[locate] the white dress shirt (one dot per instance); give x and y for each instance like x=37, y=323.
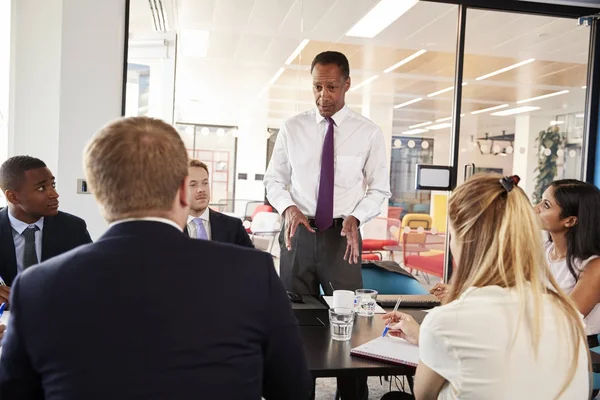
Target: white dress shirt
x=362, y=180
x=193, y=228
x=473, y=343
x=18, y=227
x=152, y=219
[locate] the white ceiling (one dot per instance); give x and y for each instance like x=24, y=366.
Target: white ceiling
x=251, y=39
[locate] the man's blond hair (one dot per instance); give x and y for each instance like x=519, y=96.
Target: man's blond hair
x=198, y=164
x=135, y=166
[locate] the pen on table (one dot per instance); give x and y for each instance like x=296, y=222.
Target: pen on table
x=387, y=326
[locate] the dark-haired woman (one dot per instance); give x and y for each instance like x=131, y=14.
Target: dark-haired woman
x=570, y=212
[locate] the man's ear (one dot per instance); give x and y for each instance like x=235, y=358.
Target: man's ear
x=183, y=192
x=571, y=222
x=347, y=84
x=12, y=197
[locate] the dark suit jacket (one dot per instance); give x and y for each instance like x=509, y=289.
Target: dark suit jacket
x=134, y=316
x=61, y=233
x=226, y=229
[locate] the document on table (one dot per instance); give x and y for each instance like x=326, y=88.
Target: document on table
x=389, y=349
x=378, y=309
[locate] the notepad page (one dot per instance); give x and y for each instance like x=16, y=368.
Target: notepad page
x=393, y=348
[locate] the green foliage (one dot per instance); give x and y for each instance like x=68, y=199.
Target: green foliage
x=553, y=140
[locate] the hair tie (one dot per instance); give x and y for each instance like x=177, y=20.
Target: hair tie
x=509, y=182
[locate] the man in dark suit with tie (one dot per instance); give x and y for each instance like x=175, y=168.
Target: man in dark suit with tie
x=131, y=316
x=31, y=227
x=207, y=224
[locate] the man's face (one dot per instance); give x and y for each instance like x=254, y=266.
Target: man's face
x=199, y=190
x=329, y=88
x=37, y=195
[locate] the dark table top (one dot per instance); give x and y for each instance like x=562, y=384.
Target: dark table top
x=331, y=358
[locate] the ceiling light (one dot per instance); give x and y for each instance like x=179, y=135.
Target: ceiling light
x=552, y=123
x=414, y=131
x=296, y=52
x=194, y=43
x=220, y=132
x=439, y=126
x=447, y=118
x=489, y=109
x=445, y=90
x=517, y=65
x=407, y=59
x=276, y=76
x=408, y=103
x=584, y=87
x=542, y=97
x=517, y=110
x=380, y=17
x=420, y=125
x=205, y=131
x=579, y=115
x=365, y=82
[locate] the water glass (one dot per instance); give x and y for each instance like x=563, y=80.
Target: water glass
x=366, y=301
x=341, y=321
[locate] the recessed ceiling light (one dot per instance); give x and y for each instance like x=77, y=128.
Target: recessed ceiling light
x=439, y=126
x=295, y=53
x=517, y=65
x=406, y=60
x=517, y=110
x=489, y=109
x=380, y=17
x=365, y=82
x=552, y=123
x=408, y=103
x=194, y=43
x=447, y=118
x=579, y=115
x=414, y=131
x=584, y=87
x=542, y=97
x=445, y=90
x=420, y=125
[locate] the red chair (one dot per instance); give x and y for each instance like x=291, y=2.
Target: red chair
x=417, y=249
x=379, y=233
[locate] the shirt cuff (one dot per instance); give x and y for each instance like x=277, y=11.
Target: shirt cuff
x=282, y=204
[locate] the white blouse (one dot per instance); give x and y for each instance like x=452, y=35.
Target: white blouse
x=473, y=343
x=567, y=282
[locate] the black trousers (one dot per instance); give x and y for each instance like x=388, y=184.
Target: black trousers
x=318, y=258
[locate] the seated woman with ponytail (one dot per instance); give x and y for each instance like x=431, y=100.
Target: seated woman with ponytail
x=506, y=331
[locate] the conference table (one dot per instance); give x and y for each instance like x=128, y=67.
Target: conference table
x=330, y=358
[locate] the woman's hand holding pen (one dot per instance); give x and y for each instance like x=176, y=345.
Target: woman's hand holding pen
x=4, y=294
x=403, y=326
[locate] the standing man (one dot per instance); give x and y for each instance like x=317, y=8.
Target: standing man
x=132, y=316
x=207, y=224
x=31, y=227
x=327, y=176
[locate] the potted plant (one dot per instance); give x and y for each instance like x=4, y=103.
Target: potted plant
x=549, y=142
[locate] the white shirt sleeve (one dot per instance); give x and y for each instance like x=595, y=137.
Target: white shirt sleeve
x=377, y=179
x=436, y=350
x=278, y=176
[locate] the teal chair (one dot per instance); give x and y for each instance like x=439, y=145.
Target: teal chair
x=386, y=282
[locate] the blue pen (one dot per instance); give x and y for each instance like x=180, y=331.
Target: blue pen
x=2, y=308
x=387, y=326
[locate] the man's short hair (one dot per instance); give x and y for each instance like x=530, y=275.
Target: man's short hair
x=199, y=164
x=332, y=57
x=12, y=171
x=135, y=166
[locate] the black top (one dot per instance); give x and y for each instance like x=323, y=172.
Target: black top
x=61, y=233
x=147, y=313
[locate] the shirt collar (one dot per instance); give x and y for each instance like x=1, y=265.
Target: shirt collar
x=205, y=216
x=338, y=117
x=20, y=226
x=153, y=219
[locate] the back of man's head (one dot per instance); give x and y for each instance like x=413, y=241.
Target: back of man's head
x=136, y=167
x=12, y=171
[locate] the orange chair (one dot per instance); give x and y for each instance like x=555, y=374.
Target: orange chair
x=379, y=233
x=421, y=251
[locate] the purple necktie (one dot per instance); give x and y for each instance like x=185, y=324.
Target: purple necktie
x=324, y=214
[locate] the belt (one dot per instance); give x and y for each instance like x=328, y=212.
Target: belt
x=337, y=223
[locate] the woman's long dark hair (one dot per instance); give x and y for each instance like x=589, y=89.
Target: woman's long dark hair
x=581, y=200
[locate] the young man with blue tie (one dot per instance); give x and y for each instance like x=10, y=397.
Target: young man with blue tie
x=31, y=227
x=204, y=223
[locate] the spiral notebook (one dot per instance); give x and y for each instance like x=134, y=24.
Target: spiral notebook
x=389, y=349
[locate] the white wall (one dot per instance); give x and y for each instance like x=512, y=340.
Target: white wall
x=5, y=16
x=67, y=78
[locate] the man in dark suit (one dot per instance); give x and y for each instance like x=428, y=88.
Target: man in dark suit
x=207, y=224
x=31, y=227
x=131, y=316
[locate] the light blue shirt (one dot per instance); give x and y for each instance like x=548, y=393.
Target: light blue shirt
x=18, y=227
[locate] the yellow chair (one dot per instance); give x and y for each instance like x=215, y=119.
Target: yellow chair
x=414, y=221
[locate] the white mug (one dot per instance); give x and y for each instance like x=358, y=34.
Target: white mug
x=343, y=299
